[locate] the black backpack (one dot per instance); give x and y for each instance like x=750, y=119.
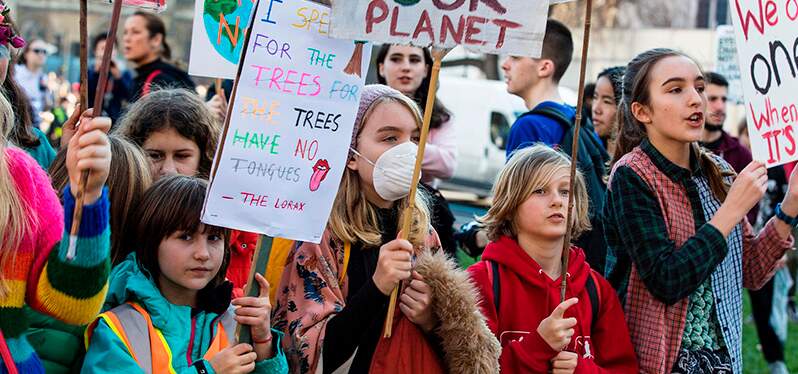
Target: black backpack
x=590, y=287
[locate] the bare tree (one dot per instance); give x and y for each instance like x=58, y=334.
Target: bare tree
x=630, y=14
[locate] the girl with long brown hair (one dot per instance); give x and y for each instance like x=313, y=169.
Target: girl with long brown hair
x=681, y=248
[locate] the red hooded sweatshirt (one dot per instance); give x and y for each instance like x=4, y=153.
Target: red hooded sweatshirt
x=527, y=296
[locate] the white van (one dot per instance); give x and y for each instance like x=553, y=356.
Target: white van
x=483, y=113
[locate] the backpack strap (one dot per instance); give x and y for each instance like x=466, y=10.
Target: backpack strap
x=493, y=279
x=148, y=83
x=554, y=114
x=595, y=296
x=345, y=268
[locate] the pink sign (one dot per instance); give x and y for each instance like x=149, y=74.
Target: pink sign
x=157, y=5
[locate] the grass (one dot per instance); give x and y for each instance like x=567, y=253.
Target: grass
x=753, y=361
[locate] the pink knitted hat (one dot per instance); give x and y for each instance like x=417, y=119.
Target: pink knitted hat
x=368, y=96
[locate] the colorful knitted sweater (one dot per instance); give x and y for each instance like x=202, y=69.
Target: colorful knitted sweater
x=40, y=276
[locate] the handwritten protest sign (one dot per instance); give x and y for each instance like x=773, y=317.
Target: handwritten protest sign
x=767, y=37
x=218, y=37
x=286, y=143
x=727, y=63
x=513, y=27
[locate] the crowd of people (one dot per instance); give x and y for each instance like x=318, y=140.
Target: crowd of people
x=672, y=219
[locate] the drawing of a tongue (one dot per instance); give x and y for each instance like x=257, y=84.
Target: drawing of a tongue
x=320, y=171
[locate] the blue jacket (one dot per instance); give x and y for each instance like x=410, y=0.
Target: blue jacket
x=107, y=353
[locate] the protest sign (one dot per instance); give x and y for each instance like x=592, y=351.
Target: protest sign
x=514, y=27
x=218, y=37
x=285, y=145
x=767, y=38
x=157, y=5
x=726, y=62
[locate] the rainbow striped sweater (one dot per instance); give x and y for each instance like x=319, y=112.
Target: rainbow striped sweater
x=39, y=275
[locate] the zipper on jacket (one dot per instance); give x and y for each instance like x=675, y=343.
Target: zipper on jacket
x=191, y=340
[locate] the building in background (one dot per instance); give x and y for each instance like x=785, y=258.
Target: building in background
x=55, y=22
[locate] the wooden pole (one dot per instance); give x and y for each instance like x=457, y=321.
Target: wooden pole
x=566, y=247
x=96, y=110
x=219, y=90
x=437, y=56
x=260, y=260
x=84, y=54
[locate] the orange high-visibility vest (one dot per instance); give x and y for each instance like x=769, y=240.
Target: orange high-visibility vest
x=146, y=344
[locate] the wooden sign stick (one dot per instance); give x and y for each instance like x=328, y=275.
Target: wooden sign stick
x=84, y=54
x=437, y=56
x=96, y=110
x=566, y=246
x=219, y=90
x=260, y=260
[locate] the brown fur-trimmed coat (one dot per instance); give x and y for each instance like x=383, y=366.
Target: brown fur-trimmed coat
x=469, y=346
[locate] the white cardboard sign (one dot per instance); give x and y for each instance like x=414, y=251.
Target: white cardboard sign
x=284, y=150
x=727, y=63
x=514, y=27
x=217, y=40
x=767, y=38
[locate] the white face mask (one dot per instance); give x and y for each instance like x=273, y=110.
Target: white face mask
x=393, y=171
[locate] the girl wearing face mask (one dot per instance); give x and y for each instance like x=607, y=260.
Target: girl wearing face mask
x=144, y=45
x=408, y=69
x=606, y=97
x=176, y=313
x=333, y=297
x=680, y=246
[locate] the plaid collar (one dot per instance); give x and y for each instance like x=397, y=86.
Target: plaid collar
x=675, y=172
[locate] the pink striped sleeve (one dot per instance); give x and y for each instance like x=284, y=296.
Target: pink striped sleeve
x=761, y=252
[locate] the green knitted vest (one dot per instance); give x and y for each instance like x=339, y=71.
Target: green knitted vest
x=701, y=330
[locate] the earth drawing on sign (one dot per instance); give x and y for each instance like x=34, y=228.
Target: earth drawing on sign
x=226, y=22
